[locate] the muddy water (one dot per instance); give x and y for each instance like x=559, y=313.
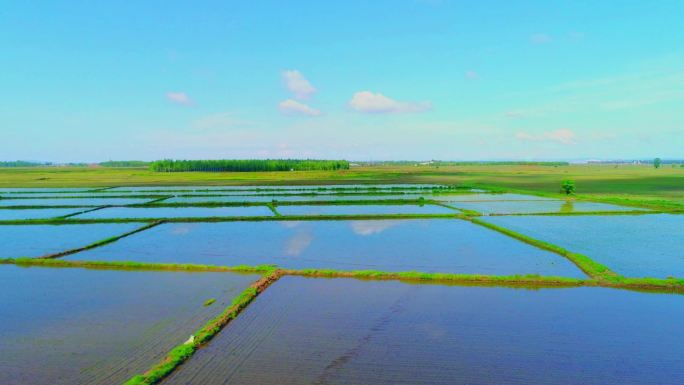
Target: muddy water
x=175, y=212
x=632, y=245
x=343, y=331
x=442, y=245
x=74, y=326
x=363, y=209
x=38, y=240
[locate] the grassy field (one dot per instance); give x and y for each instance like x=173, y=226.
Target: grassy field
x=628, y=181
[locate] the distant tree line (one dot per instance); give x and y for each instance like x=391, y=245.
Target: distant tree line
x=244, y=165
x=23, y=163
x=124, y=163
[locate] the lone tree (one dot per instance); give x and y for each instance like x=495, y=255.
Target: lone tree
x=657, y=162
x=568, y=187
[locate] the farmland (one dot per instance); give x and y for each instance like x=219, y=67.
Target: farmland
x=432, y=274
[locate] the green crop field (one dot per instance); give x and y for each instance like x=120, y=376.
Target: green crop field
x=634, y=182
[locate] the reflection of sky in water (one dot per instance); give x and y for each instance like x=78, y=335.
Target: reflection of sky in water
x=346, y=331
x=531, y=207
x=438, y=245
x=298, y=242
x=371, y=227
x=647, y=245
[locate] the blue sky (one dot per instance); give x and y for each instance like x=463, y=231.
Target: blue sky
x=366, y=80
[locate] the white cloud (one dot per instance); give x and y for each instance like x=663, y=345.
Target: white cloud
x=471, y=74
x=377, y=103
x=293, y=107
x=180, y=98
x=540, y=38
x=298, y=243
x=297, y=84
x=562, y=136
x=365, y=228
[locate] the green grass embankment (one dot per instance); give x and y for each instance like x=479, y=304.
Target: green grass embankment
x=74, y=221
x=182, y=352
x=666, y=285
x=442, y=278
x=132, y=265
x=100, y=242
x=584, y=263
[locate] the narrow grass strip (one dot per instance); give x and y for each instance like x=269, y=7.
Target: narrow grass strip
x=181, y=353
x=414, y=276
x=74, y=221
x=80, y=212
x=272, y=207
x=100, y=242
x=159, y=200
x=667, y=285
x=132, y=265
x=584, y=263
x=579, y=213
x=671, y=284
x=84, y=196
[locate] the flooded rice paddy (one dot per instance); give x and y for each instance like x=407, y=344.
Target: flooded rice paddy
x=282, y=187
x=632, y=245
x=436, y=245
x=39, y=240
x=42, y=189
x=487, y=197
x=76, y=202
x=363, y=209
x=176, y=212
x=344, y=331
x=75, y=326
x=12, y=215
x=99, y=327
x=537, y=206
x=291, y=198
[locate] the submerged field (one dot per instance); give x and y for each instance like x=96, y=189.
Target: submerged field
x=352, y=283
x=341, y=331
x=437, y=245
x=74, y=326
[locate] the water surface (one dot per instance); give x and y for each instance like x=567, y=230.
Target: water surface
x=632, y=245
x=487, y=197
x=99, y=327
x=442, y=245
x=38, y=240
x=363, y=209
x=537, y=206
x=291, y=198
x=343, y=331
x=43, y=189
x=176, y=212
x=73, y=201
x=11, y=215
x=276, y=188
